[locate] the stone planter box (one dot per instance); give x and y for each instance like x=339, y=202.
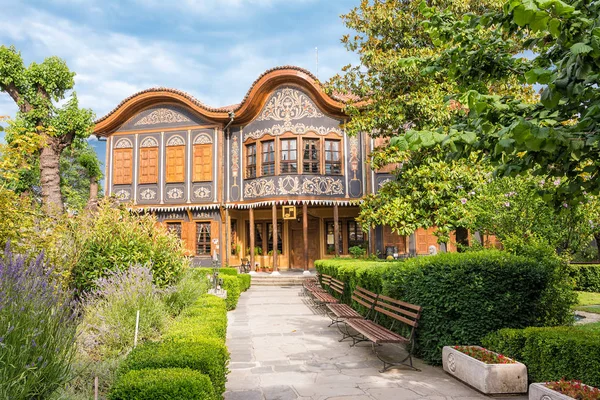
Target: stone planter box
x=539, y=391
x=487, y=378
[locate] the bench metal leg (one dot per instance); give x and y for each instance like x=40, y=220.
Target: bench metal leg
x=387, y=364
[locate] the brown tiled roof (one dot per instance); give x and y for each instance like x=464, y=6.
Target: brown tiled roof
x=233, y=107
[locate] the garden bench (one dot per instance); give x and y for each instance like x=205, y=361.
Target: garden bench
x=341, y=312
x=370, y=330
x=312, y=285
x=245, y=265
x=322, y=298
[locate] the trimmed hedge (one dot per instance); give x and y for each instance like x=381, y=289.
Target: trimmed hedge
x=232, y=285
x=207, y=318
x=245, y=281
x=587, y=277
x=207, y=356
x=222, y=271
x=164, y=384
x=552, y=353
x=465, y=296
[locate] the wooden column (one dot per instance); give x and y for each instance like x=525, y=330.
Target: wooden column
x=305, y=233
x=274, y=238
x=336, y=229
x=227, y=244
x=252, y=268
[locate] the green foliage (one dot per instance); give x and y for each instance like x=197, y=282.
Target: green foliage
x=245, y=281
x=357, y=252
x=588, y=298
x=587, y=277
x=79, y=165
x=222, y=271
x=166, y=383
x=233, y=286
x=186, y=291
x=117, y=238
x=206, y=318
x=467, y=295
x=207, y=356
x=552, y=353
x=110, y=312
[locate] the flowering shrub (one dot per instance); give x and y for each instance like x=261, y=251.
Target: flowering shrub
x=37, y=329
x=110, y=311
x=484, y=355
x=575, y=389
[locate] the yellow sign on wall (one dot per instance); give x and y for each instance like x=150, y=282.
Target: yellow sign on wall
x=289, y=212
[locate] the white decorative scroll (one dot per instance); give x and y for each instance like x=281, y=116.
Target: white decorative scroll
x=202, y=192
x=148, y=194
x=149, y=142
x=123, y=143
x=162, y=116
x=298, y=129
x=259, y=188
x=203, y=138
x=320, y=185
x=123, y=195
x=175, y=193
x=175, y=141
x=289, y=104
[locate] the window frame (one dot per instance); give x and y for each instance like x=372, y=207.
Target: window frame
x=273, y=153
x=203, y=243
x=205, y=168
x=316, y=162
x=254, y=165
x=328, y=223
x=269, y=247
x=286, y=163
x=173, y=224
x=169, y=178
x=123, y=178
x=357, y=227
x=153, y=179
x=332, y=163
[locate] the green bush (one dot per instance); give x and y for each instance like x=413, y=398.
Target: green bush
x=207, y=318
x=116, y=238
x=208, y=356
x=587, y=277
x=552, y=353
x=357, y=251
x=110, y=310
x=245, y=281
x=222, y=271
x=232, y=285
x=164, y=384
x=465, y=296
x=186, y=291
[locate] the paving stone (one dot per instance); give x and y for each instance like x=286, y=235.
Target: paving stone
x=261, y=370
x=279, y=393
x=244, y=395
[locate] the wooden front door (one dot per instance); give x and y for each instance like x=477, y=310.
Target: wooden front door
x=297, y=243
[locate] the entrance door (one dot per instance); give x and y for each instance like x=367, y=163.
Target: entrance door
x=297, y=243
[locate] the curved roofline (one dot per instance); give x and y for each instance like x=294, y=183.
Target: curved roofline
x=245, y=111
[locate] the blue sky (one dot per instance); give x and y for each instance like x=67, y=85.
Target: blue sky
x=212, y=49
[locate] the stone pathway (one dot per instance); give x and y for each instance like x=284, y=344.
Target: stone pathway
x=281, y=350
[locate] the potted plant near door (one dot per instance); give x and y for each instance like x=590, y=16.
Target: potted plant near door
x=486, y=371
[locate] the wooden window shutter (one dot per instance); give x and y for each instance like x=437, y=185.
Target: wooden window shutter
x=149, y=165
x=214, y=234
x=203, y=163
x=175, y=164
x=190, y=244
x=123, y=166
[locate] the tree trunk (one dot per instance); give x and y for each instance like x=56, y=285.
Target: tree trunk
x=93, y=201
x=597, y=238
x=50, y=176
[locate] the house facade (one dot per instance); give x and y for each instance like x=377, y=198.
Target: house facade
x=274, y=179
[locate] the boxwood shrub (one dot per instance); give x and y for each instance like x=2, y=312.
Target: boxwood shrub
x=551, y=353
x=208, y=356
x=164, y=384
x=245, y=281
x=232, y=285
x=587, y=277
x=207, y=318
x=465, y=296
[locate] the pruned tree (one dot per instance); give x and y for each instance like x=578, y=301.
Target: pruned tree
x=36, y=90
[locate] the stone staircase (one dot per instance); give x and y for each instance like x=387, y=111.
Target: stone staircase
x=285, y=279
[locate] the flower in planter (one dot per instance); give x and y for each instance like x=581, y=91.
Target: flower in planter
x=484, y=355
x=575, y=389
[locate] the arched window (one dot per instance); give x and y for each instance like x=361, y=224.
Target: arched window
x=149, y=161
x=123, y=162
x=175, y=160
x=203, y=161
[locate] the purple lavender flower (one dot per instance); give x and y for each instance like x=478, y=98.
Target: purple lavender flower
x=463, y=200
x=565, y=205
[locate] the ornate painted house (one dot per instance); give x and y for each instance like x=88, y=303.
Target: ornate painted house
x=275, y=173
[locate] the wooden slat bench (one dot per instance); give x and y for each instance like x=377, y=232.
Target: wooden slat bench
x=311, y=285
x=370, y=330
x=323, y=298
x=342, y=312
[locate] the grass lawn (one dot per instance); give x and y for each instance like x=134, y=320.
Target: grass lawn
x=589, y=301
x=593, y=327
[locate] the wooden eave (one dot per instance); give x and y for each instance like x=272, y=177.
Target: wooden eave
x=245, y=112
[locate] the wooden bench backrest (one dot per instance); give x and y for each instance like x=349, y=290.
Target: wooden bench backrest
x=337, y=286
x=325, y=280
x=399, y=310
x=364, y=297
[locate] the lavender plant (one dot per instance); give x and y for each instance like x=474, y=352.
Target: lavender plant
x=110, y=310
x=37, y=329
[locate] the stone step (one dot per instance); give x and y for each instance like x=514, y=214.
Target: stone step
x=273, y=280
